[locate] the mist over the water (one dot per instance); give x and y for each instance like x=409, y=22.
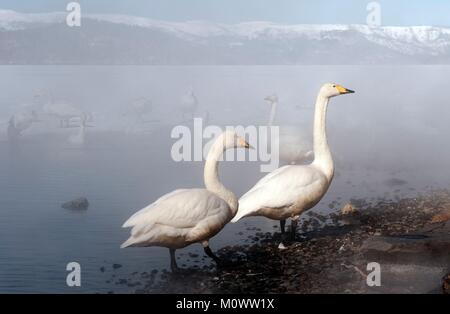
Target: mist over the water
x=391, y=135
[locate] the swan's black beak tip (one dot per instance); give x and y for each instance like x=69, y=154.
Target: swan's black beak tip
x=349, y=91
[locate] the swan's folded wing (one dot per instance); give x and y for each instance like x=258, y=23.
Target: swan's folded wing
x=268, y=178
x=278, y=189
x=145, y=212
x=179, y=209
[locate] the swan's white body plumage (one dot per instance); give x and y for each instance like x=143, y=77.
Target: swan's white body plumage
x=293, y=145
x=62, y=110
x=178, y=219
x=22, y=120
x=284, y=193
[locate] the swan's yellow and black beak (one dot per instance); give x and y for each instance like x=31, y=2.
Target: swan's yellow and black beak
x=245, y=144
x=343, y=90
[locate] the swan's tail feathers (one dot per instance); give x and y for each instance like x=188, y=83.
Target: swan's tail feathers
x=128, y=224
x=142, y=235
x=240, y=214
x=128, y=243
x=133, y=221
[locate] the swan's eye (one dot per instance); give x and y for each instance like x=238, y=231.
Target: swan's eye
x=334, y=86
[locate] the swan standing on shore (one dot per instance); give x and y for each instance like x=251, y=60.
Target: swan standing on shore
x=139, y=109
x=291, y=190
x=294, y=148
x=188, y=216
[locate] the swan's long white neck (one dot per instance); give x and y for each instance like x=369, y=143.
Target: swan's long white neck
x=323, y=158
x=211, y=176
x=273, y=110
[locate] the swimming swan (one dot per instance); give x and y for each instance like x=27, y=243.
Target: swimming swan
x=63, y=111
x=20, y=122
x=188, y=216
x=294, y=148
x=291, y=190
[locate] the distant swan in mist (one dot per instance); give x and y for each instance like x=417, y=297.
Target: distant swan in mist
x=291, y=190
x=140, y=108
x=63, y=111
x=188, y=216
x=20, y=122
x=189, y=104
x=293, y=146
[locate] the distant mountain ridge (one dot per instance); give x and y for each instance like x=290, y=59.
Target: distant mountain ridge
x=44, y=38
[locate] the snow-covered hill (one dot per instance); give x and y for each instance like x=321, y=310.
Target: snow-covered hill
x=119, y=39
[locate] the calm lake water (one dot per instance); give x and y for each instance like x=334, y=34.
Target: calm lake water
x=390, y=140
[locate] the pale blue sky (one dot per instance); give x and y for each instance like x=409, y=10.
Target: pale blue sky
x=394, y=12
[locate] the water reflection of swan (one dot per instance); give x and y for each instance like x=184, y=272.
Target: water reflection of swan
x=291, y=190
x=63, y=111
x=188, y=216
x=189, y=104
x=293, y=145
x=79, y=137
x=20, y=122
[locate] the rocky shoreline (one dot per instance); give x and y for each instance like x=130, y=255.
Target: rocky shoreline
x=408, y=238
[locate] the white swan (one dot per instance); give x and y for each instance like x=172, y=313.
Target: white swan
x=189, y=104
x=140, y=108
x=63, y=111
x=293, y=189
x=293, y=146
x=20, y=122
x=188, y=216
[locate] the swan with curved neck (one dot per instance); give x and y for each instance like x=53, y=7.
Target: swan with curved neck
x=291, y=190
x=294, y=148
x=188, y=216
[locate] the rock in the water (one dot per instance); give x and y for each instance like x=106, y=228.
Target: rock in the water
x=116, y=266
x=79, y=203
x=348, y=209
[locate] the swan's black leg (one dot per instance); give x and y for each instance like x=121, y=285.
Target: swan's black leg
x=282, y=225
x=208, y=252
x=173, y=261
x=294, y=224
x=281, y=246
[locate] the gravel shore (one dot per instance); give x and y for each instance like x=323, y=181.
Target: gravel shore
x=408, y=238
